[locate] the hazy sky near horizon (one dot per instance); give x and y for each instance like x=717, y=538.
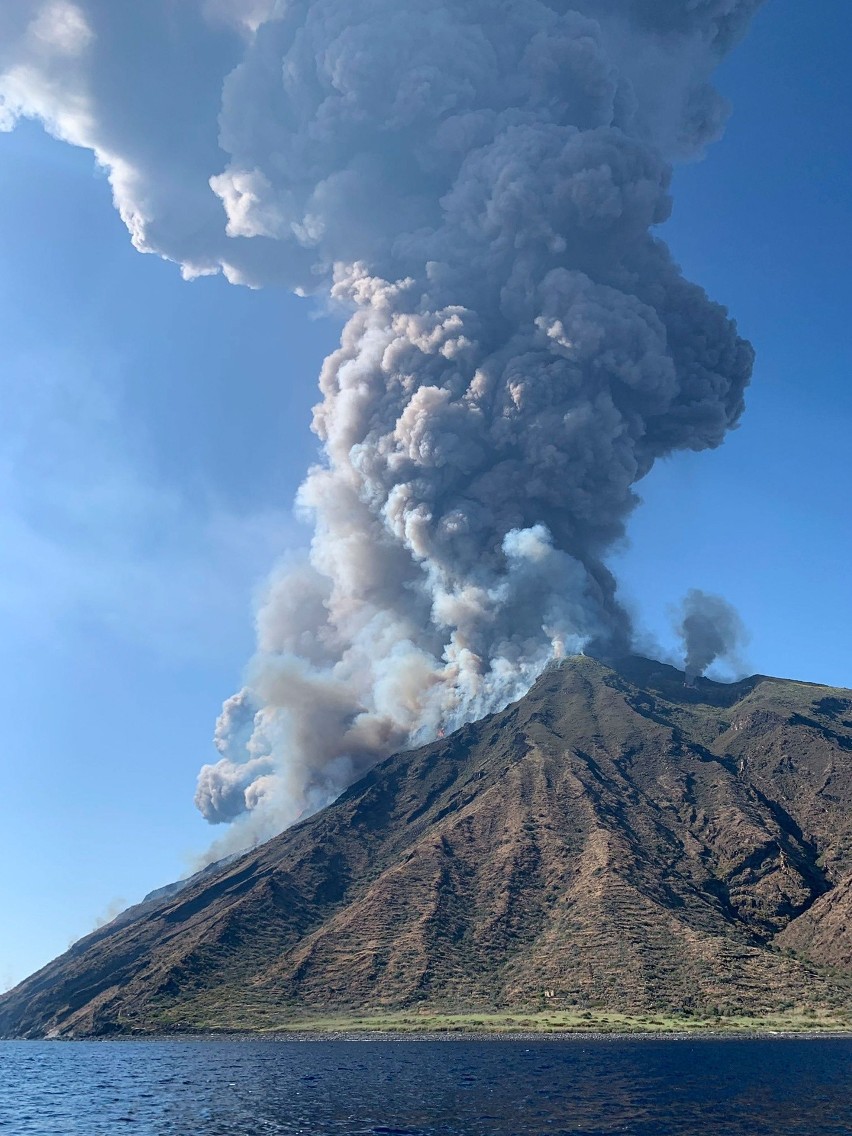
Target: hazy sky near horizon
x=154, y=433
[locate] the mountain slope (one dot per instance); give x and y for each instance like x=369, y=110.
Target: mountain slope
x=614, y=838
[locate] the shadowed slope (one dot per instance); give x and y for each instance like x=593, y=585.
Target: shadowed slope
x=614, y=838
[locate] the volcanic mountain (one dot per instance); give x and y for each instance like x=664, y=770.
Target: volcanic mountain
x=614, y=839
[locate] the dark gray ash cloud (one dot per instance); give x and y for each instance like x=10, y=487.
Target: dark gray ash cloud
x=710, y=630
x=479, y=185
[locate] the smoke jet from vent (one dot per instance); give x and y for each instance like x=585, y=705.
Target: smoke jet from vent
x=479, y=186
x=710, y=629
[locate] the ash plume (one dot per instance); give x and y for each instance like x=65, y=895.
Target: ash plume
x=479, y=186
x=709, y=629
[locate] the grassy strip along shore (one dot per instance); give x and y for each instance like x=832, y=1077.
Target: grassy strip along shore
x=497, y=1024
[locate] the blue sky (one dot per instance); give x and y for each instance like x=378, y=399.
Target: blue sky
x=764, y=225
x=153, y=475
x=156, y=431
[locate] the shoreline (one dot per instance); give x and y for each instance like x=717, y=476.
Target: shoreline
x=454, y=1035
x=232, y=1022
x=530, y=1036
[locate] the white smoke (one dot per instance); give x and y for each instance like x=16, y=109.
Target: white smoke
x=479, y=185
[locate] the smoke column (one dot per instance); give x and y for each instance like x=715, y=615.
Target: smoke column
x=479, y=185
x=710, y=629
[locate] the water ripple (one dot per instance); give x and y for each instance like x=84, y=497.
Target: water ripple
x=569, y=1088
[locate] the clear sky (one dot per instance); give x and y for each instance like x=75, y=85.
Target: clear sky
x=154, y=432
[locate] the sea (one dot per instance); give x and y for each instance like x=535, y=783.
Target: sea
x=414, y=1088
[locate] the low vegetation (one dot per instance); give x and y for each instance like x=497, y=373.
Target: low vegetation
x=230, y=1020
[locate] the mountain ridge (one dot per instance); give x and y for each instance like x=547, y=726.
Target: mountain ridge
x=614, y=839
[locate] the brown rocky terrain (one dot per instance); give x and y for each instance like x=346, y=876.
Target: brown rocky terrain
x=613, y=840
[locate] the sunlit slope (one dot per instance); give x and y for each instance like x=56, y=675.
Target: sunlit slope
x=613, y=841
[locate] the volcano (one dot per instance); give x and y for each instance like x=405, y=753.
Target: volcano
x=615, y=839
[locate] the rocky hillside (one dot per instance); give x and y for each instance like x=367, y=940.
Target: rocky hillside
x=614, y=839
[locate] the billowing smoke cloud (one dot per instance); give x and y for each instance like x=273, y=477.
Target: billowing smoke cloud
x=710, y=629
x=479, y=184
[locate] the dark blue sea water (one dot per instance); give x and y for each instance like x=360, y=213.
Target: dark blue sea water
x=246, y=1088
